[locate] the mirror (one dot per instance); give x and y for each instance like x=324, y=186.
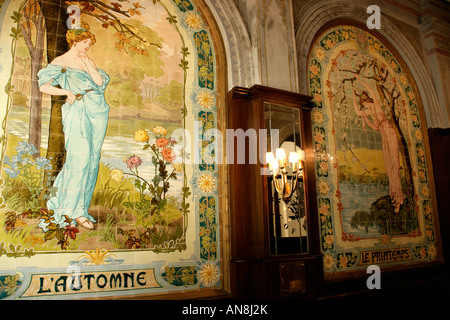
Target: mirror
x=287, y=210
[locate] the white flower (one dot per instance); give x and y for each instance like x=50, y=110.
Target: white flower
x=206, y=182
x=403, y=79
x=425, y=191
x=209, y=274
x=116, y=175
x=323, y=187
x=207, y=157
x=160, y=131
x=418, y=134
x=320, y=54
x=205, y=99
x=193, y=21
x=328, y=261
x=317, y=117
x=432, y=251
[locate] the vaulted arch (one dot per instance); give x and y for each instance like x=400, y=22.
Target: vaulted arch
x=236, y=41
x=309, y=21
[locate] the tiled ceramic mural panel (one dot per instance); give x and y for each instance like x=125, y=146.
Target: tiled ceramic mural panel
x=125, y=204
x=374, y=195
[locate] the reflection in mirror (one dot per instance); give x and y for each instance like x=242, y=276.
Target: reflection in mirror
x=287, y=210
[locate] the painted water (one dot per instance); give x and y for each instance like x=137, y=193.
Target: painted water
x=116, y=147
x=357, y=200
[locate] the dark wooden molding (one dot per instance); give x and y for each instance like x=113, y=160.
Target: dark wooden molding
x=255, y=272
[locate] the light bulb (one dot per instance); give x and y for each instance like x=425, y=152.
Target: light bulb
x=274, y=165
x=301, y=155
x=281, y=154
x=269, y=158
x=293, y=157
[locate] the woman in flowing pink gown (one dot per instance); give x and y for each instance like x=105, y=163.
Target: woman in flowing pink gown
x=371, y=107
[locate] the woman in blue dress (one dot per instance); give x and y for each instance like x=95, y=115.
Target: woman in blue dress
x=85, y=118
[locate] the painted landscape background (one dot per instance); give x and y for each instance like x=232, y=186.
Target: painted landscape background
x=145, y=95
x=357, y=146
x=157, y=212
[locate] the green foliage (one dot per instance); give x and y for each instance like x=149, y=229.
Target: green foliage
x=164, y=235
x=14, y=251
x=16, y=17
x=155, y=211
x=376, y=176
x=19, y=99
x=391, y=223
x=183, y=5
x=140, y=61
x=205, y=60
x=180, y=276
x=108, y=232
x=16, y=32
x=162, y=228
x=24, y=173
x=9, y=284
x=171, y=95
x=54, y=230
x=208, y=227
x=151, y=63
x=172, y=19
x=346, y=260
x=124, y=91
x=162, y=158
x=157, y=214
x=110, y=194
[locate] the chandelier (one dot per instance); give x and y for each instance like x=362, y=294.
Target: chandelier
x=285, y=171
x=282, y=167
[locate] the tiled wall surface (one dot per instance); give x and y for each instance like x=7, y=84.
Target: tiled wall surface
x=374, y=186
x=154, y=203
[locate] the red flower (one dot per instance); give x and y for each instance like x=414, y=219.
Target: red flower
x=168, y=155
x=162, y=142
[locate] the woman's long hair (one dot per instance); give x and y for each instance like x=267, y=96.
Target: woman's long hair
x=364, y=97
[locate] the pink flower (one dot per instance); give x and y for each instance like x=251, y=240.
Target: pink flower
x=134, y=162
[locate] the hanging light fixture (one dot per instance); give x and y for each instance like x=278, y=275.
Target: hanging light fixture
x=280, y=165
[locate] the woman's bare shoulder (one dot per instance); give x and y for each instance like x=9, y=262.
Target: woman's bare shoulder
x=61, y=60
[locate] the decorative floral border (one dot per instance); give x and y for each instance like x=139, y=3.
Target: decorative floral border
x=206, y=268
x=329, y=198
x=9, y=284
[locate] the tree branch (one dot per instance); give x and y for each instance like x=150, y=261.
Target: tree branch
x=26, y=31
x=124, y=28
x=97, y=5
x=354, y=155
